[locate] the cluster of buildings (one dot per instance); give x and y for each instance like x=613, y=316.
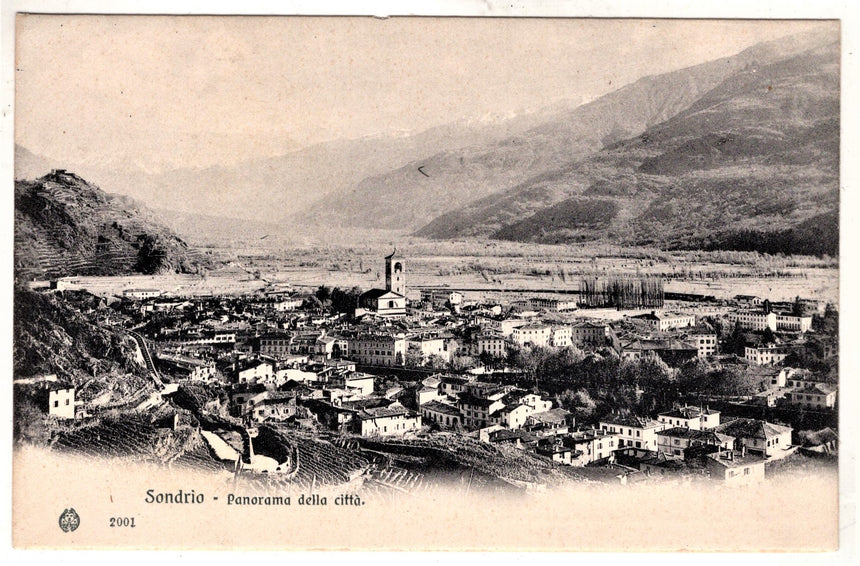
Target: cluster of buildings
x=387, y=329
x=281, y=357
x=685, y=441
x=334, y=395
x=270, y=334
x=465, y=403
x=799, y=388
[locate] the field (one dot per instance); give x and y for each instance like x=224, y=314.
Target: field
x=489, y=269
x=507, y=266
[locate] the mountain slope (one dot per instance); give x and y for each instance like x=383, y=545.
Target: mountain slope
x=758, y=153
x=414, y=194
x=66, y=226
x=268, y=189
x=52, y=335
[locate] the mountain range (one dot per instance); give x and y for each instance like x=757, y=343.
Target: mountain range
x=753, y=164
x=271, y=189
x=736, y=153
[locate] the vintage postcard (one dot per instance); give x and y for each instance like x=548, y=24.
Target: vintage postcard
x=423, y=283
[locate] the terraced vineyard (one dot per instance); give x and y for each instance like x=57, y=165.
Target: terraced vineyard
x=200, y=459
x=387, y=482
x=319, y=462
x=120, y=438
x=66, y=226
x=501, y=462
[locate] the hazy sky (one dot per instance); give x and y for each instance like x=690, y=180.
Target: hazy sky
x=173, y=91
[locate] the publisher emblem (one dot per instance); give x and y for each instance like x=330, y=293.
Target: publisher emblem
x=69, y=520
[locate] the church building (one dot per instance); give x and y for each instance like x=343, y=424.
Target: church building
x=391, y=301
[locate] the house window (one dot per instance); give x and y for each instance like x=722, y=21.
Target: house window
x=638, y=444
x=746, y=471
x=56, y=404
x=67, y=401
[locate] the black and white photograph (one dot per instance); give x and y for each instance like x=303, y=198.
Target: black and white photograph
x=463, y=283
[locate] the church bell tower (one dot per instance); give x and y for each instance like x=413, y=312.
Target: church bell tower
x=395, y=274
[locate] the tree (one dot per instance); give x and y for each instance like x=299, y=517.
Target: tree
x=490, y=360
x=829, y=323
x=150, y=255
x=693, y=376
x=323, y=293
x=735, y=342
x=345, y=300
x=312, y=302
x=413, y=358
x=731, y=381
x=435, y=361
x=460, y=363
x=577, y=402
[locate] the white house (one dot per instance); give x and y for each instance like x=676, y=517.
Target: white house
x=816, y=396
x=791, y=323
x=666, y=321
x=491, y=344
x=256, y=372
x=534, y=334
x=757, y=437
x=551, y=305
x=735, y=467
x=360, y=383
x=673, y=441
x=766, y=355
x=61, y=401
x=378, y=349
x=441, y=413
x=561, y=337
x=705, y=339
x=753, y=320
x=386, y=421
x=640, y=432
x=691, y=417
x=141, y=294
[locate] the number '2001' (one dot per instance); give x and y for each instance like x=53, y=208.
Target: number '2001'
x=122, y=521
